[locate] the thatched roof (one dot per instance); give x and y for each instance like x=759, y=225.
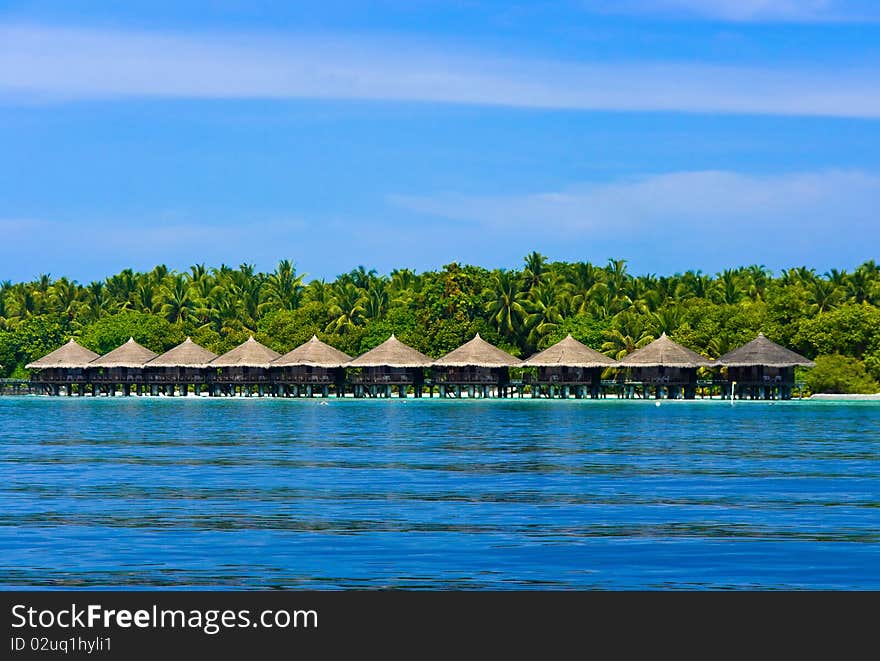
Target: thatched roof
x=762, y=351
x=185, y=354
x=477, y=353
x=391, y=353
x=70, y=356
x=247, y=354
x=130, y=354
x=313, y=353
x=569, y=353
x=663, y=352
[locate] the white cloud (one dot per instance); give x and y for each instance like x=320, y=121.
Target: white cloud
x=70, y=247
x=798, y=11
x=662, y=223
x=46, y=63
x=683, y=218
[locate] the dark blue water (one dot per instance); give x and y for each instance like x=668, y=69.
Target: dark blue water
x=258, y=493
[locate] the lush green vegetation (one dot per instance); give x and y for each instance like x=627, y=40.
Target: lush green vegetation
x=832, y=314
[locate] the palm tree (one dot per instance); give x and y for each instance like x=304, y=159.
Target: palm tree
x=837, y=277
x=640, y=297
x=506, y=310
x=318, y=291
x=347, y=310
x=619, y=344
x=822, y=296
x=120, y=289
x=224, y=311
x=145, y=297
x=246, y=285
x=361, y=277
x=197, y=272
x=693, y=284
x=284, y=287
x=66, y=298
x=617, y=277
x=24, y=302
x=720, y=345
x=544, y=312
x=582, y=281
x=404, y=285
x=377, y=299
x=797, y=276
x=757, y=277
x=5, y=287
x=858, y=285
x=666, y=320
x=178, y=304
x=535, y=270
x=727, y=288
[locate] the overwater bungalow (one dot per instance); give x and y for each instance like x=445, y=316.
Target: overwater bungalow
x=568, y=367
x=761, y=369
x=664, y=366
x=183, y=366
x=123, y=366
x=310, y=368
x=478, y=367
x=391, y=364
x=243, y=367
x=66, y=366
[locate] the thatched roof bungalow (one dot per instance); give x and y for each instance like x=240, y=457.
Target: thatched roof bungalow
x=66, y=364
x=314, y=362
x=392, y=362
x=569, y=362
x=124, y=364
x=665, y=363
x=764, y=368
x=475, y=362
x=568, y=352
x=185, y=363
x=665, y=353
x=762, y=352
x=248, y=363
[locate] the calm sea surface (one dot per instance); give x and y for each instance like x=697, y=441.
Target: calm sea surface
x=261, y=493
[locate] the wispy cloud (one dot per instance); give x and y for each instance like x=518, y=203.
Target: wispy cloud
x=51, y=64
x=662, y=223
x=794, y=11
x=708, y=217
x=60, y=244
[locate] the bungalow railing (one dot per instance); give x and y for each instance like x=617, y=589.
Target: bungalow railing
x=489, y=379
x=241, y=378
x=69, y=378
x=181, y=378
x=764, y=381
x=583, y=379
x=107, y=378
x=380, y=379
x=303, y=378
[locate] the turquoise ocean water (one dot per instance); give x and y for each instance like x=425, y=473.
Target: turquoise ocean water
x=261, y=493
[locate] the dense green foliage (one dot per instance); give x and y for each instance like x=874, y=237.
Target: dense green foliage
x=522, y=310
x=840, y=374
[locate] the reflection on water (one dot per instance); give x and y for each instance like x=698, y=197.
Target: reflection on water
x=255, y=493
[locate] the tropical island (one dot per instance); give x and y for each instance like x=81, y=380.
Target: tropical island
x=831, y=318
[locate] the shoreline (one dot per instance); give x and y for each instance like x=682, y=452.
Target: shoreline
x=829, y=397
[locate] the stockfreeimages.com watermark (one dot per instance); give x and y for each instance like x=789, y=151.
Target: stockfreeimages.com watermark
x=208, y=621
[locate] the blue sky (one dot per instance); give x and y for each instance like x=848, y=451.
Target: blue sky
x=673, y=133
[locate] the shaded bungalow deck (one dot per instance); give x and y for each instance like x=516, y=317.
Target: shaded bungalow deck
x=762, y=369
x=476, y=368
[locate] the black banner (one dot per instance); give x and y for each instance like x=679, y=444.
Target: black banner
x=279, y=624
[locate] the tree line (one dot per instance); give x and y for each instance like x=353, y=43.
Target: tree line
x=833, y=317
